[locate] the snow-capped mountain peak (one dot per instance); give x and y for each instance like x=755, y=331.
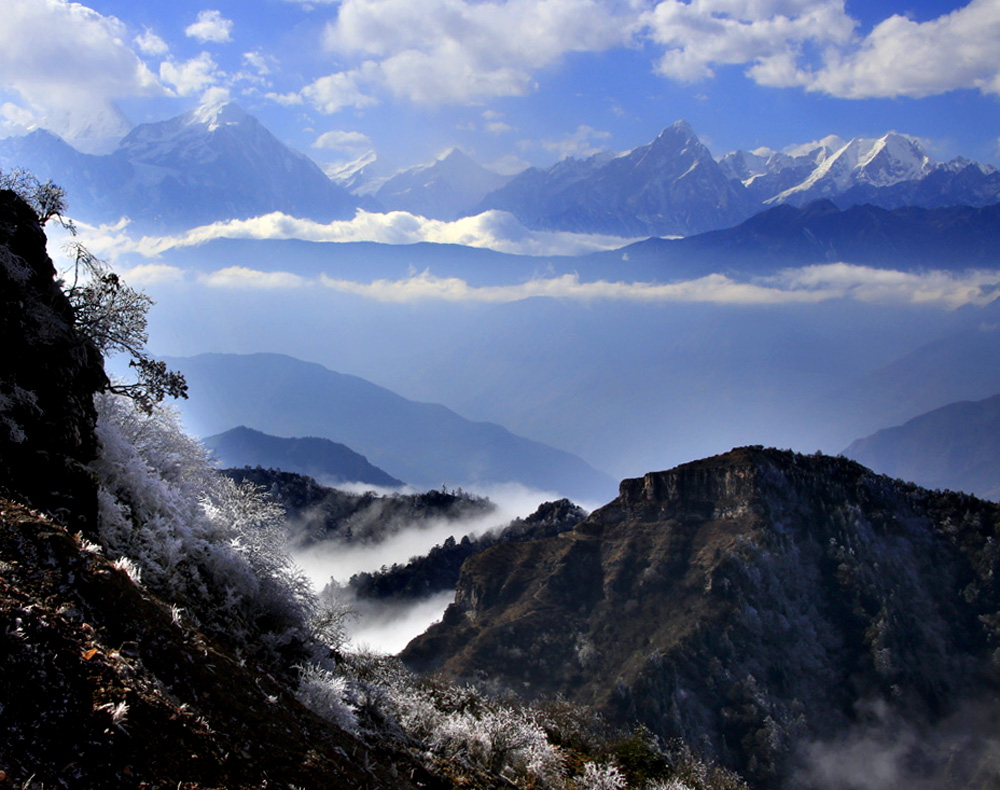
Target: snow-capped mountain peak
x=217, y=114
x=877, y=162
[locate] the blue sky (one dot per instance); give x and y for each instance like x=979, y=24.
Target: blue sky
x=517, y=82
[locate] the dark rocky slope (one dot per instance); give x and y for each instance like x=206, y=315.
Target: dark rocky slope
x=48, y=376
x=747, y=603
x=134, y=697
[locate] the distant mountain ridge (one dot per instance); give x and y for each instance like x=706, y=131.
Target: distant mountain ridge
x=328, y=462
x=424, y=444
x=210, y=164
x=217, y=162
x=956, y=446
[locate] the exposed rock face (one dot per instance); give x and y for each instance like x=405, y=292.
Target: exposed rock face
x=748, y=603
x=48, y=376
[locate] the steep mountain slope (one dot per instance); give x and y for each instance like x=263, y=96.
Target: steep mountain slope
x=319, y=458
x=422, y=443
x=955, y=447
x=134, y=696
x=447, y=188
x=747, y=602
x=213, y=163
x=48, y=378
x=669, y=186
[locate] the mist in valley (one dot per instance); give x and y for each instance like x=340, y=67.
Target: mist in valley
x=388, y=625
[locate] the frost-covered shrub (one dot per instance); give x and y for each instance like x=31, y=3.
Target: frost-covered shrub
x=500, y=739
x=199, y=540
x=598, y=776
x=327, y=695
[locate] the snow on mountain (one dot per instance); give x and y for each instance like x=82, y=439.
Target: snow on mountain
x=879, y=162
x=667, y=187
x=362, y=176
x=210, y=164
x=447, y=188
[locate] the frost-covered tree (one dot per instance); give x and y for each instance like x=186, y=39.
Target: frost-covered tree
x=201, y=541
x=107, y=311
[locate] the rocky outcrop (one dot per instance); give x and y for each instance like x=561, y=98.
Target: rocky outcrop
x=48, y=376
x=749, y=603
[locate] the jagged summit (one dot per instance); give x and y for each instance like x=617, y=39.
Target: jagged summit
x=670, y=186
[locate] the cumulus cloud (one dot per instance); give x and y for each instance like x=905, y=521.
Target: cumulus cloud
x=334, y=92
x=343, y=141
x=455, y=51
x=815, y=44
x=901, y=57
x=151, y=44
x=704, y=33
x=210, y=26
x=66, y=61
x=192, y=76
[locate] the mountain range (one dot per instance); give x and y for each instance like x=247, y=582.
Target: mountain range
x=210, y=164
x=424, y=444
x=218, y=162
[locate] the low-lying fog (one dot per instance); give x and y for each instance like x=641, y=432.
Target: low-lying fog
x=388, y=626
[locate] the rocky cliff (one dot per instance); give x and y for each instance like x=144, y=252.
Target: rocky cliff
x=48, y=376
x=749, y=603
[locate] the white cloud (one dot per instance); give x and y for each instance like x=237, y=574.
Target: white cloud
x=867, y=284
x=285, y=99
x=151, y=44
x=192, y=76
x=343, y=141
x=495, y=230
x=15, y=120
x=333, y=93
x=152, y=274
x=259, y=62
x=455, y=51
x=814, y=44
x=807, y=285
x=210, y=26
x=704, y=33
x=68, y=62
x=242, y=277
x=901, y=57
x=715, y=288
